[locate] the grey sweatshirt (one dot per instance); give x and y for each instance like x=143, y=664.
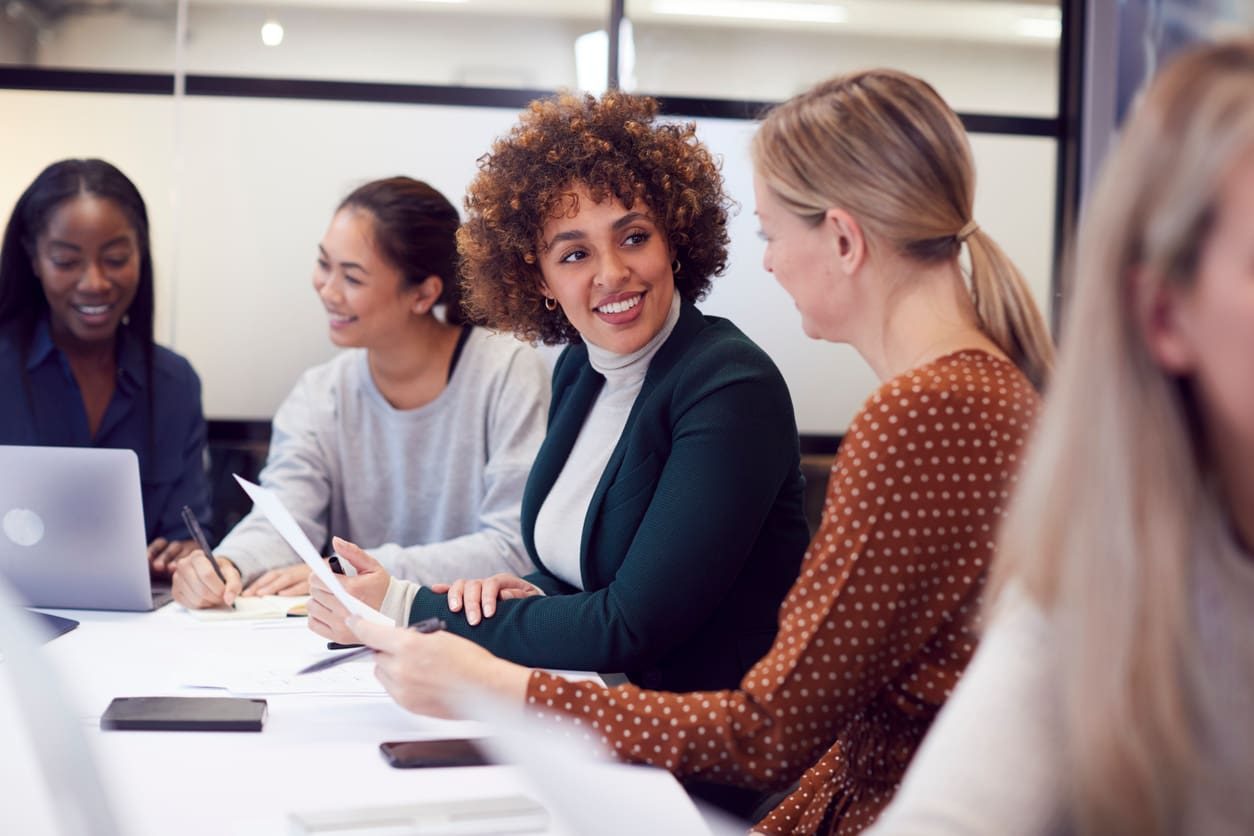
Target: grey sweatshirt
x=433, y=493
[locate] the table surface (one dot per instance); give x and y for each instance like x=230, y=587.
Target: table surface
x=316, y=753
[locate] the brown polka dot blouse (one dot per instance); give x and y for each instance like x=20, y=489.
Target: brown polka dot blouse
x=878, y=626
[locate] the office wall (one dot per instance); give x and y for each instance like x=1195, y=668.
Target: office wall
x=256, y=182
x=746, y=64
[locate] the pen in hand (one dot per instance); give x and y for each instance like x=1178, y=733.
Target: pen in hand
x=338, y=568
x=198, y=535
x=427, y=625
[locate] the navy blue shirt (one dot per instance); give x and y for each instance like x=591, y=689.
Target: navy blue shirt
x=171, y=466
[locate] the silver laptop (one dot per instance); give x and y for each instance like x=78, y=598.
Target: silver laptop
x=72, y=528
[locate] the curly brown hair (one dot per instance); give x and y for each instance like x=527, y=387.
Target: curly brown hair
x=614, y=148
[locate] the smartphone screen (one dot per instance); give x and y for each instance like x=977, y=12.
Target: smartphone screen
x=410, y=754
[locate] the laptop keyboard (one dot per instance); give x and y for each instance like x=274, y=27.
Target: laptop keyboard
x=162, y=593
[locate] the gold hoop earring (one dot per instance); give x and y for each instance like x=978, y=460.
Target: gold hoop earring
x=550, y=304
x=675, y=266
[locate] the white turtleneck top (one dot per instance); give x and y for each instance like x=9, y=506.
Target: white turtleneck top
x=560, y=522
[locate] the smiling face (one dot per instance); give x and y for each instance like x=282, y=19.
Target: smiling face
x=88, y=261
x=801, y=256
x=366, y=298
x=609, y=268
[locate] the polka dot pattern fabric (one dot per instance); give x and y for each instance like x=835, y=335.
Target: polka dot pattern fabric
x=878, y=626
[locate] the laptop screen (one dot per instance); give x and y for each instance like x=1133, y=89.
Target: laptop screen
x=72, y=528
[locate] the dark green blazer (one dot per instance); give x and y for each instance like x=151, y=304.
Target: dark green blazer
x=694, y=533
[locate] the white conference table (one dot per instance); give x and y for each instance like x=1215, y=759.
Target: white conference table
x=316, y=752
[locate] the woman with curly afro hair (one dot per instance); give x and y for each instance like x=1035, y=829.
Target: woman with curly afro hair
x=864, y=189
x=664, y=511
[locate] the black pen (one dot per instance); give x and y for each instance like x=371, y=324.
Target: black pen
x=427, y=625
x=334, y=562
x=198, y=535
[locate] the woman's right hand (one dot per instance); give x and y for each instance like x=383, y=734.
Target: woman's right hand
x=327, y=615
x=196, y=585
x=421, y=671
x=479, y=596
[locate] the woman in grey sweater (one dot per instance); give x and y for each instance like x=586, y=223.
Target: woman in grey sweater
x=417, y=440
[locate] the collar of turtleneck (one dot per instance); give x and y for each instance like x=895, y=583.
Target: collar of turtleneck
x=620, y=369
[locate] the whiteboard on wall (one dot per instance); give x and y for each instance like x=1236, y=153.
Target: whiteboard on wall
x=241, y=190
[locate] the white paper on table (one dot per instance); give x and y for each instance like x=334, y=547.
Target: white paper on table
x=286, y=525
x=349, y=679
x=578, y=781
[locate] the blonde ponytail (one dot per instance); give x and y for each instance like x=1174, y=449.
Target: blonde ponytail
x=885, y=146
x=1006, y=310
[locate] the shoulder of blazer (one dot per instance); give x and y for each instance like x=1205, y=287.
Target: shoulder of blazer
x=572, y=360
x=708, y=352
x=571, y=363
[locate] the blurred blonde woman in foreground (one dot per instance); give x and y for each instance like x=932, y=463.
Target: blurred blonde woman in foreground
x=1114, y=691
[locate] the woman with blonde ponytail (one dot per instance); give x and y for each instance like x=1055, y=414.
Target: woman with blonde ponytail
x=864, y=190
x=885, y=151
x=1113, y=691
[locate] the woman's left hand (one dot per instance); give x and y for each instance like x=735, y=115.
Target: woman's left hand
x=163, y=554
x=479, y=595
x=286, y=580
x=370, y=586
x=419, y=670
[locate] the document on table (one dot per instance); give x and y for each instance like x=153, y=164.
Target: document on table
x=259, y=678
x=291, y=531
x=579, y=783
x=264, y=606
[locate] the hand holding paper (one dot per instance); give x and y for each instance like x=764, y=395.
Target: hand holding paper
x=287, y=526
x=327, y=616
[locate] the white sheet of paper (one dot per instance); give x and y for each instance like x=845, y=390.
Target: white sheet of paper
x=578, y=781
x=259, y=678
x=286, y=525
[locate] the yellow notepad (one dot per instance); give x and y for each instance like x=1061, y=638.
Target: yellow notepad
x=265, y=606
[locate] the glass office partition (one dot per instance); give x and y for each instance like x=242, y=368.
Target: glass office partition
x=481, y=43
x=133, y=36
x=526, y=45
x=289, y=105
x=984, y=56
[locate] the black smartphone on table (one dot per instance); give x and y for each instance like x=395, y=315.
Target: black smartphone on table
x=412, y=754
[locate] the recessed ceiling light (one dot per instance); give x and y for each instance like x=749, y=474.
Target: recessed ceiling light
x=272, y=33
x=1045, y=28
